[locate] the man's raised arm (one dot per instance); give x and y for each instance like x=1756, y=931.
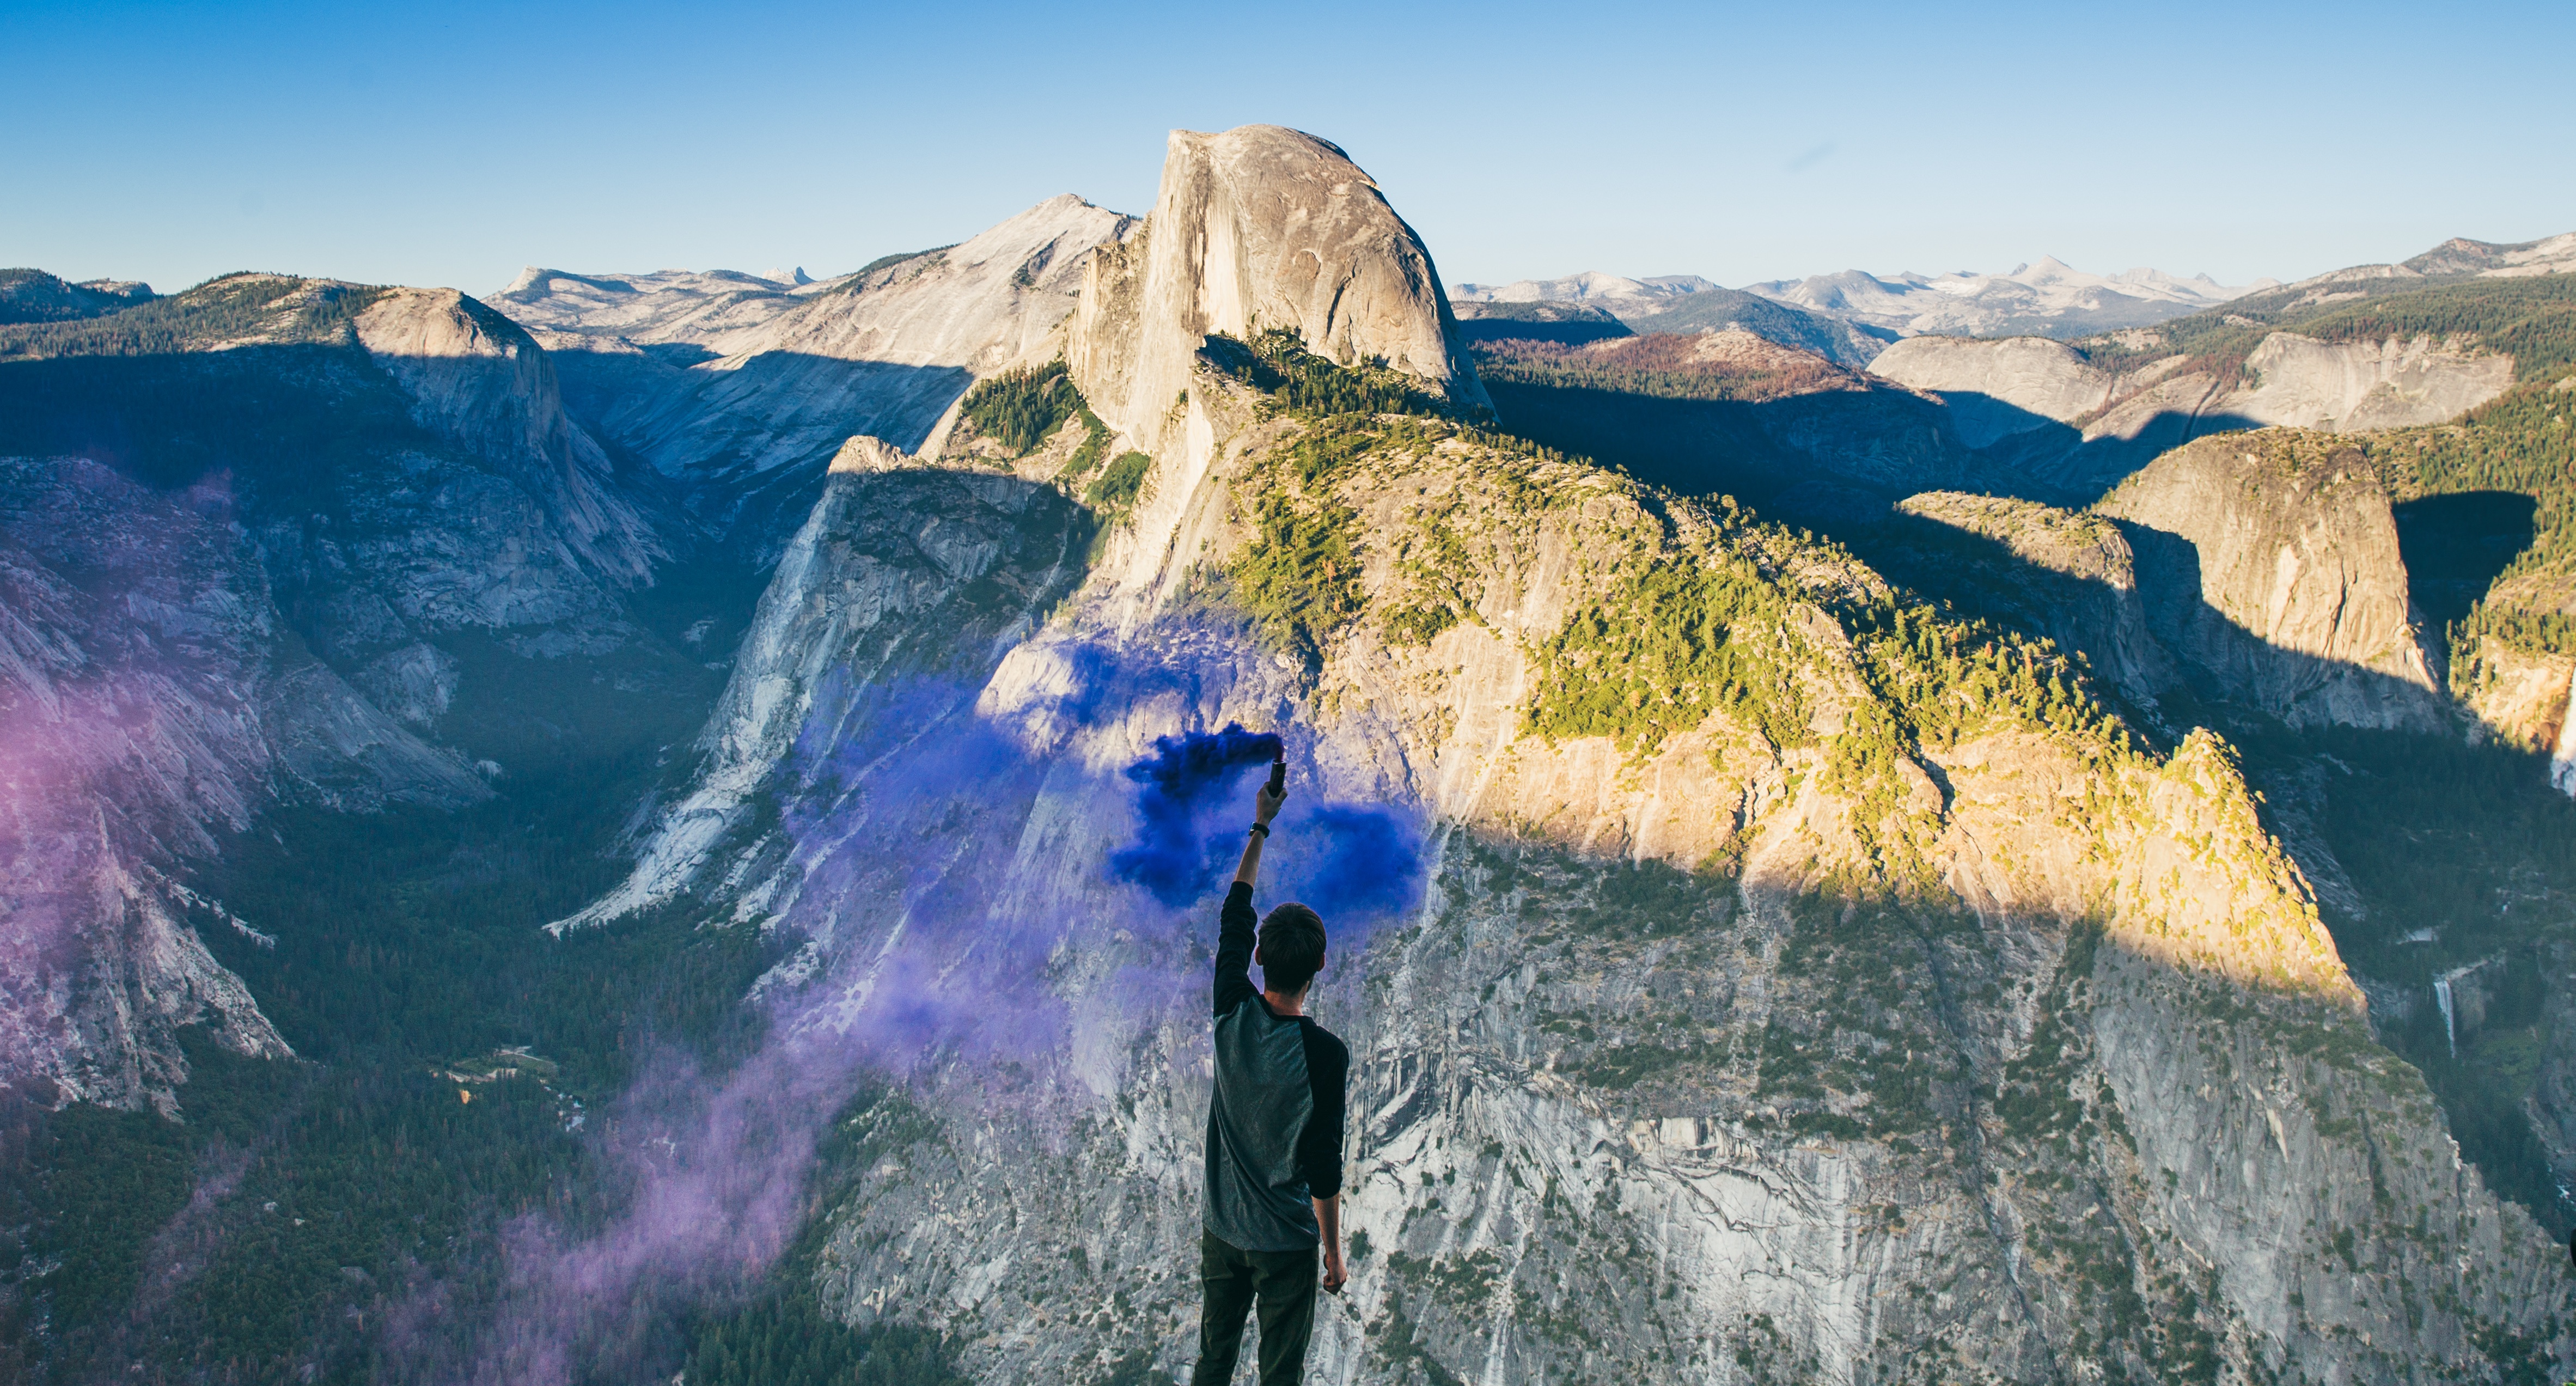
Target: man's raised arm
x=1237, y=925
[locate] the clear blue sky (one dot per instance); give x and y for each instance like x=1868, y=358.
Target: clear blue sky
x=452, y=143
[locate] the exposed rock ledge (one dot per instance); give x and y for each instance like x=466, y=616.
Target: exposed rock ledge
x=2005, y=389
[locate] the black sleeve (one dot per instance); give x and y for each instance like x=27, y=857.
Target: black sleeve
x=1319, y=1146
x=1234, y=939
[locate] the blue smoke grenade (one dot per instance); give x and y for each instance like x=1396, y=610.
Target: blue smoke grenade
x=1194, y=802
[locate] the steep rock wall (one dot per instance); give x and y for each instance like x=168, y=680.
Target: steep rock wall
x=147, y=706
x=904, y=569
x=2273, y=570
x=1739, y=1033
x=1258, y=228
x=2005, y=394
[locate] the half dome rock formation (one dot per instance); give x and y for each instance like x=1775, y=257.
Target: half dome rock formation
x=2270, y=565
x=1257, y=228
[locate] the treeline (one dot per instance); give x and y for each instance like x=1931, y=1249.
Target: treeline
x=2523, y=442
x=223, y=309
x=783, y=1338
x=405, y=942
x=2533, y=319
x=1664, y=365
x=1277, y=363
x=1023, y=407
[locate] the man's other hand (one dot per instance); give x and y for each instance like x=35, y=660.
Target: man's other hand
x=1334, y=1276
x=1265, y=805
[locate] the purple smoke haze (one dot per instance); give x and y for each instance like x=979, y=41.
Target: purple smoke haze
x=954, y=882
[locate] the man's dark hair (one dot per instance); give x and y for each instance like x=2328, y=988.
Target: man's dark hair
x=1292, y=948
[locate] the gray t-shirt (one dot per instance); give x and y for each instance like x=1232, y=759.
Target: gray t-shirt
x=1274, y=1137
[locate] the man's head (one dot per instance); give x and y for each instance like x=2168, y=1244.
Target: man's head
x=1291, y=949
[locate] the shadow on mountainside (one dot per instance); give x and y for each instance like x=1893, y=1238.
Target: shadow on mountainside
x=1866, y=448
x=436, y=577
x=2455, y=546
x=2170, y=657
x=1838, y=461
x=2031, y=456
x=2403, y=831
x=744, y=445
x=2437, y=859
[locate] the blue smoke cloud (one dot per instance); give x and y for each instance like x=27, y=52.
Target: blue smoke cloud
x=1346, y=860
x=1172, y=858
x=1370, y=864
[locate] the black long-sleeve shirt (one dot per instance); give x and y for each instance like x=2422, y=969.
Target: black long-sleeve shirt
x=1274, y=1138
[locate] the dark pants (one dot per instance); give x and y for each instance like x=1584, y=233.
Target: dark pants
x=1283, y=1281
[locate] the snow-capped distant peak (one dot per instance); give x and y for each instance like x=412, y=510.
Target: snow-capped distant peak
x=2048, y=297
x=1588, y=287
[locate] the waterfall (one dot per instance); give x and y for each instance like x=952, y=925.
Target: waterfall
x=2442, y=997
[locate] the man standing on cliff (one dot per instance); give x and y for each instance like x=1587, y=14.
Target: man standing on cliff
x=1274, y=1135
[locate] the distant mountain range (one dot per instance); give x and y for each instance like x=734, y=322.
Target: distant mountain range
x=2047, y=299
x=1852, y=314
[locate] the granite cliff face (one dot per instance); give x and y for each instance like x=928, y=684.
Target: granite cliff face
x=1831, y=994
x=2072, y=427
x=2286, y=589
x=341, y=528
x=2260, y=570
x=1255, y=229
x=150, y=701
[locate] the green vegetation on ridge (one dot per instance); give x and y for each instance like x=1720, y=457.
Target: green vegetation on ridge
x=2533, y=318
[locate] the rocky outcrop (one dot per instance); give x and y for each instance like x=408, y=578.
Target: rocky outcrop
x=905, y=576
x=2270, y=567
x=2518, y=696
x=480, y=382
x=2077, y=428
x=2345, y=387
x=1998, y=388
x=1257, y=228
x=2066, y=575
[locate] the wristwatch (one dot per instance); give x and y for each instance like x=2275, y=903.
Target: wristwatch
x=1261, y=828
